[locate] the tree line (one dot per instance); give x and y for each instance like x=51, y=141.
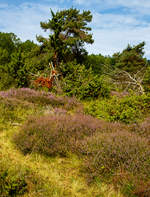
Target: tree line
x=64, y=47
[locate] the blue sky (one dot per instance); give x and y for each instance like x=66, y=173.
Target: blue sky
x=115, y=22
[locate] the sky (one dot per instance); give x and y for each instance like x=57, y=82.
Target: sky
x=115, y=23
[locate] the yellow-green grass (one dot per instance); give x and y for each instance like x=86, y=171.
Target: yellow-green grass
x=56, y=177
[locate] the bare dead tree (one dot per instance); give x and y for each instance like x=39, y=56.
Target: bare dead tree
x=126, y=80
x=130, y=81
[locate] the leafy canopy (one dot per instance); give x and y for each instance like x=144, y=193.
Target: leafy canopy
x=68, y=33
x=131, y=59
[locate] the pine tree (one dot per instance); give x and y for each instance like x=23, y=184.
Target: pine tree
x=68, y=33
x=131, y=59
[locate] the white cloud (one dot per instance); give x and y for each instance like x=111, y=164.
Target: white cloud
x=24, y=20
x=134, y=3
x=126, y=3
x=108, y=21
x=111, y=32
x=141, y=6
x=109, y=42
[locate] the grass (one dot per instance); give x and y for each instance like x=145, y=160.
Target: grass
x=44, y=176
x=58, y=176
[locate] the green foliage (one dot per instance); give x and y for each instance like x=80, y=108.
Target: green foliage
x=127, y=109
x=82, y=83
x=146, y=81
x=8, y=45
x=98, y=63
x=18, y=61
x=12, y=185
x=4, y=56
x=9, y=42
x=131, y=59
x=69, y=33
x=17, y=179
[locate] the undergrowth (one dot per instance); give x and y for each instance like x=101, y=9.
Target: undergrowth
x=128, y=109
x=120, y=157
x=37, y=174
x=39, y=97
x=71, y=154
x=55, y=134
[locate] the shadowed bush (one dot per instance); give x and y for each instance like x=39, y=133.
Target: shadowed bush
x=12, y=186
x=120, y=156
x=55, y=134
x=16, y=180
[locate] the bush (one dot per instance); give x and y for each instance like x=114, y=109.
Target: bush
x=142, y=128
x=39, y=97
x=127, y=109
x=82, y=83
x=17, y=180
x=14, y=179
x=12, y=185
x=55, y=134
x=120, y=156
x=6, y=81
x=14, y=110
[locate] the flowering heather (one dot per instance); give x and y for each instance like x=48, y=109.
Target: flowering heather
x=119, y=154
x=55, y=134
x=143, y=128
x=39, y=97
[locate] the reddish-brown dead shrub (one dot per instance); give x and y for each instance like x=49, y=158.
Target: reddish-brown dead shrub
x=55, y=134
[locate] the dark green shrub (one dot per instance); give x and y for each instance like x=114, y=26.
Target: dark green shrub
x=82, y=83
x=55, y=134
x=127, y=109
x=17, y=179
x=6, y=81
x=12, y=185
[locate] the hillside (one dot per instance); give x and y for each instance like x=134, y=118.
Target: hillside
x=49, y=147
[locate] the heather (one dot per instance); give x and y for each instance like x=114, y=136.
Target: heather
x=56, y=134
x=110, y=152
x=73, y=123
x=113, y=153
x=39, y=97
x=35, y=174
x=120, y=157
